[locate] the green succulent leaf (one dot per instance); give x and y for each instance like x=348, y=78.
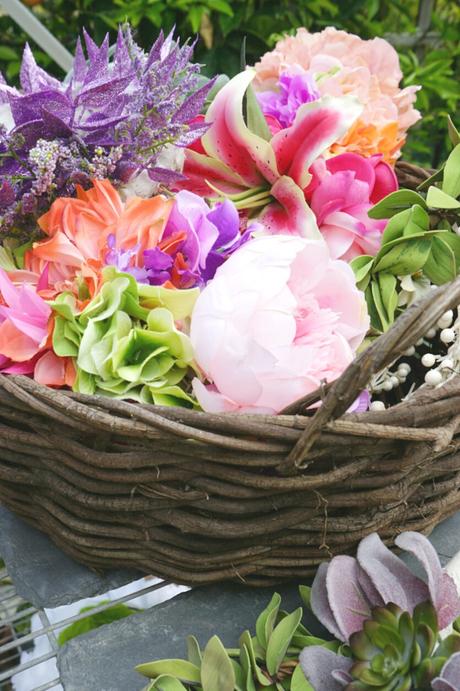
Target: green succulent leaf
x=166, y=683
x=266, y=621
x=180, y=669
x=439, y=199
x=299, y=682
x=396, y=202
x=454, y=134
x=305, y=594
x=216, y=669
x=246, y=642
x=451, y=180
x=246, y=666
x=193, y=651
x=280, y=640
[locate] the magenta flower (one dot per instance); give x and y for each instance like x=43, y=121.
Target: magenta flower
x=342, y=191
x=266, y=176
x=294, y=89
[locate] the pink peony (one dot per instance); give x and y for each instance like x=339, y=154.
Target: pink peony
x=342, y=191
x=345, y=64
x=279, y=317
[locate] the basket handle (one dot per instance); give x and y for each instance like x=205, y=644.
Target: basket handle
x=406, y=331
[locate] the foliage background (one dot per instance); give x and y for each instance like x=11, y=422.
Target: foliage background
x=425, y=32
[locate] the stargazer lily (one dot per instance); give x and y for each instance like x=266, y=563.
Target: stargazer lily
x=266, y=175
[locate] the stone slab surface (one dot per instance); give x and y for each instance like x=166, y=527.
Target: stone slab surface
x=42, y=573
x=104, y=659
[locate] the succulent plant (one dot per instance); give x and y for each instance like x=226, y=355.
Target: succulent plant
x=397, y=651
x=269, y=660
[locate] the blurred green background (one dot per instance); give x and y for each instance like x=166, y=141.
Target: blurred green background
x=425, y=32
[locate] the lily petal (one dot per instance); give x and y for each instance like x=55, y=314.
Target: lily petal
x=291, y=214
x=230, y=140
x=316, y=127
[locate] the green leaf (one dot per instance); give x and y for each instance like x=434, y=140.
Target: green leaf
x=361, y=266
x=181, y=669
x=166, y=683
x=298, y=681
x=305, y=590
x=246, y=641
x=454, y=134
x=451, y=181
x=8, y=54
x=389, y=294
x=441, y=266
x=246, y=666
x=438, y=199
x=268, y=616
x=193, y=651
x=379, y=306
x=217, y=670
x=280, y=640
x=405, y=257
x=395, y=227
x=418, y=221
x=240, y=684
x=94, y=621
x=396, y=202
x=255, y=118
x=220, y=6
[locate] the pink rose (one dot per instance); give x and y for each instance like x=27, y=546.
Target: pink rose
x=342, y=191
x=279, y=317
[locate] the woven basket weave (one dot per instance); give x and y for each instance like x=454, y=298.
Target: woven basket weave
x=197, y=498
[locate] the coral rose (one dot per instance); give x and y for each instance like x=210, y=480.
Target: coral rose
x=345, y=64
x=279, y=317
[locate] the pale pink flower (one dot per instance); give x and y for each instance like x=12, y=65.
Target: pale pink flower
x=345, y=64
x=279, y=317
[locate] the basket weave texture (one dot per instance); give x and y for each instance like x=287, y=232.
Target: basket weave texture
x=198, y=498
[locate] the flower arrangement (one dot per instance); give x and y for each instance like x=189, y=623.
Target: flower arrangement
x=231, y=257
x=389, y=628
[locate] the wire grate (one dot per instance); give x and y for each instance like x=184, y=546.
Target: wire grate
x=29, y=637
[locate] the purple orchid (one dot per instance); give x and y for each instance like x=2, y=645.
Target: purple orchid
x=111, y=118
x=195, y=242
x=294, y=89
x=345, y=590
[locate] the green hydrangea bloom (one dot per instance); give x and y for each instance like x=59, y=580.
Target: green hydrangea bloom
x=125, y=342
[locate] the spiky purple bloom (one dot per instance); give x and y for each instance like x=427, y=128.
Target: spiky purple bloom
x=111, y=118
x=294, y=89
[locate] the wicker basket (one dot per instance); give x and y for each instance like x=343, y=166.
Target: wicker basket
x=197, y=498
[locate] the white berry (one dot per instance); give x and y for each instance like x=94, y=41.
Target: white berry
x=433, y=377
x=410, y=351
x=404, y=368
x=446, y=319
x=387, y=385
x=431, y=333
x=447, y=335
x=428, y=360
x=447, y=364
x=377, y=405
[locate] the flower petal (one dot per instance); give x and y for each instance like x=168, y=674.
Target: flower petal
x=291, y=214
x=318, y=665
x=317, y=125
x=230, y=140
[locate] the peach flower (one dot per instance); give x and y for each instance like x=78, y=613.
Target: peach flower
x=78, y=231
x=345, y=64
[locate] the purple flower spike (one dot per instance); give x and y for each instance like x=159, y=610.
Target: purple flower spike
x=294, y=89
